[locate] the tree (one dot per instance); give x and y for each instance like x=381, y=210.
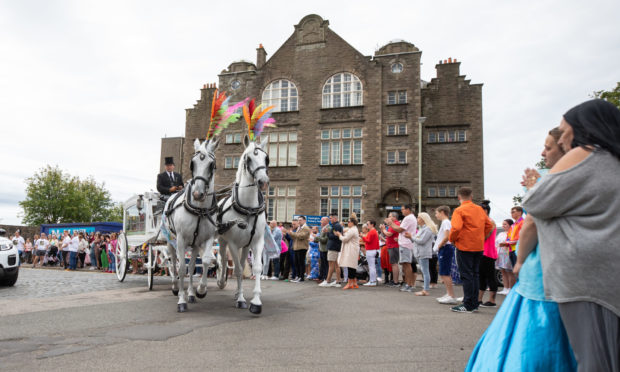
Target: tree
x=97, y=203
x=53, y=196
x=115, y=213
x=611, y=96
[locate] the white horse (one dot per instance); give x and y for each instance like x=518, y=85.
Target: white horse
x=244, y=220
x=190, y=216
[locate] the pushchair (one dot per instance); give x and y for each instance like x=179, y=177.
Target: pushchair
x=362, y=272
x=51, y=258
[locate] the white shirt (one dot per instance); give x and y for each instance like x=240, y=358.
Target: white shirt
x=73, y=246
x=409, y=224
x=443, y=229
x=66, y=244
x=19, y=242
x=41, y=244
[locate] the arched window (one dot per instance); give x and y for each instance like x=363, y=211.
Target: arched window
x=342, y=90
x=282, y=94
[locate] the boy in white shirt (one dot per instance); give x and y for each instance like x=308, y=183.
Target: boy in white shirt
x=445, y=253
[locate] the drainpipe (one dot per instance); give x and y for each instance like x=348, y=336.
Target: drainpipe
x=421, y=121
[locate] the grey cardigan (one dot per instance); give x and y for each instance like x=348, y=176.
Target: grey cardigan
x=576, y=213
x=423, y=243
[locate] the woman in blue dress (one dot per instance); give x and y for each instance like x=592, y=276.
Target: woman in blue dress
x=527, y=333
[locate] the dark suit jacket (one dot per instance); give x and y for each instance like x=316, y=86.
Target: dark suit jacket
x=164, y=184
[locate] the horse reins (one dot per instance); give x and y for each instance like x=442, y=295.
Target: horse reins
x=236, y=204
x=196, y=211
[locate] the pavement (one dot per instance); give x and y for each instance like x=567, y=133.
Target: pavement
x=71, y=321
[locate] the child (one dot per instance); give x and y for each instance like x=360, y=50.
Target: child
x=111, y=254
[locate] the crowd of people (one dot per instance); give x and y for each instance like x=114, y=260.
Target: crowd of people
x=463, y=248
x=69, y=250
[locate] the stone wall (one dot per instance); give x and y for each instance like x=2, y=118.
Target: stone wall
x=26, y=231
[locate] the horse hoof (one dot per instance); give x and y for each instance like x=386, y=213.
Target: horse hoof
x=175, y=292
x=256, y=309
x=181, y=308
x=191, y=300
x=242, y=305
x=201, y=295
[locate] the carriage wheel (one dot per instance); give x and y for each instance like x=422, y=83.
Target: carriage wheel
x=120, y=257
x=151, y=266
x=224, y=275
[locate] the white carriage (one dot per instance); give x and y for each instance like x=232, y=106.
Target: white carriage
x=142, y=240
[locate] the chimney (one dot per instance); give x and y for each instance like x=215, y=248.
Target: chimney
x=261, y=56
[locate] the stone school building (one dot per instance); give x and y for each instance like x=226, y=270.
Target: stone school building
x=355, y=133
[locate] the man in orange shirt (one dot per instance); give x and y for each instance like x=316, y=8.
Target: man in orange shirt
x=470, y=227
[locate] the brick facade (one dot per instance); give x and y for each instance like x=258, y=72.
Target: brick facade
x=172, y=147
x=313, y=54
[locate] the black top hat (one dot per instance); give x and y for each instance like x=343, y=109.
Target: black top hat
x=169, y=161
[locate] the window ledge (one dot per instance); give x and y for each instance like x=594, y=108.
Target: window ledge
x=446, y=143
x=397, y=135
x=397, y=163
x=341, y=107
x=341, y=165
x=397, y=104
x=283, y=166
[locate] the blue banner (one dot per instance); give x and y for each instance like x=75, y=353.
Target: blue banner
x=310, y=220
x=82, y=229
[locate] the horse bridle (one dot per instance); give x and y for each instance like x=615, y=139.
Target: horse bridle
x=212, y=168
x=197, y=211
x=248, y=161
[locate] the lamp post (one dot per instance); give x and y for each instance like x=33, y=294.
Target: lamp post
x=421, y=121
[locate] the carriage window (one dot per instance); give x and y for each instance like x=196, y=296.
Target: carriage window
x=134, y=220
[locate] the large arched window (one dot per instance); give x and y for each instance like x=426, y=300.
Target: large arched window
x=342, y=90
x=282, y=94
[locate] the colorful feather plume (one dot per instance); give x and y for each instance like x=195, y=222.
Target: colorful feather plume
x=222, y=114
x=257, y=119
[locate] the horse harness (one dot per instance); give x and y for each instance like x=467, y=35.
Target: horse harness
x=249, y=212
x=196, y=211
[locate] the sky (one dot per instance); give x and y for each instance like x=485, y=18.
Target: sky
x=93, y=86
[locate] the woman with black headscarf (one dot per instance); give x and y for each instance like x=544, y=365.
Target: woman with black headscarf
x=575, y=209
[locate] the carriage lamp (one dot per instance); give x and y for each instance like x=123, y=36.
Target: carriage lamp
x=140, y=202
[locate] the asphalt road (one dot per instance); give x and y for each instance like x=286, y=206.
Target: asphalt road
x=72, y=321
